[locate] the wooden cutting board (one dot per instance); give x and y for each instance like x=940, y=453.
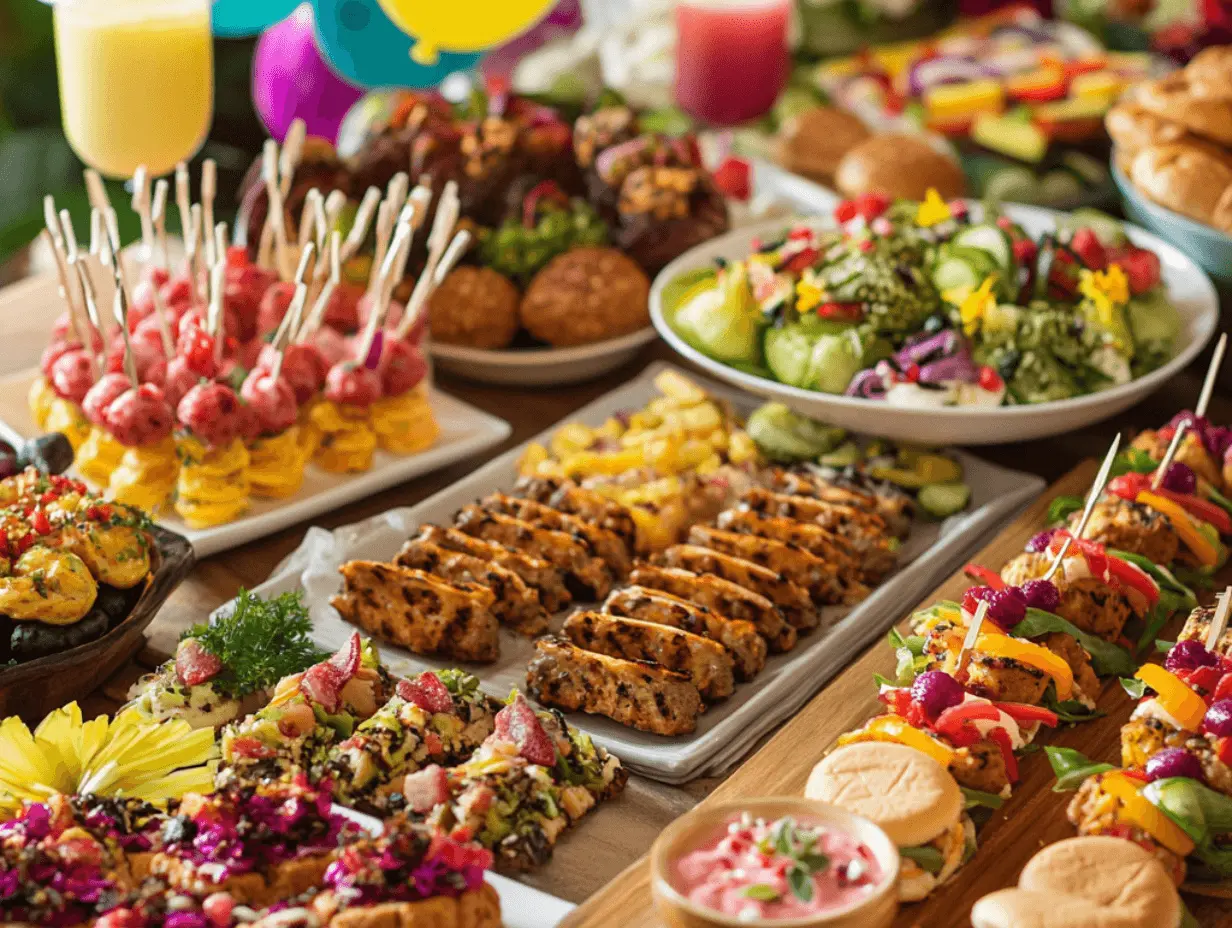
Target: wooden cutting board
x=1035, y=816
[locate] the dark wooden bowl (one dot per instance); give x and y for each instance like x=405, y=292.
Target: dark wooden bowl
x=34, y=688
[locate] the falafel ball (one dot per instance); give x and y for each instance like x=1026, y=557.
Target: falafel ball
x=586, y=295
x=476, y=307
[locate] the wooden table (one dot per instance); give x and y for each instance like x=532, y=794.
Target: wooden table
x=621, y=831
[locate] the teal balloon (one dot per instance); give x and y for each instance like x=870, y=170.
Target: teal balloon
x=233, y=18
x=365, y=47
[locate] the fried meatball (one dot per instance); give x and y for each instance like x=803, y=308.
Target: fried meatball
x=475, y=307
x=586, y=295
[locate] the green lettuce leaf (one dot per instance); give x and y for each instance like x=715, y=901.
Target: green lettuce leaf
x=1106, y=658
x=1072, y=768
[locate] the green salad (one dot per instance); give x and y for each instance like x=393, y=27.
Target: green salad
x=918, y=304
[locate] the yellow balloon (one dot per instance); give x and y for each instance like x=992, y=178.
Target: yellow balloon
x=461, y=25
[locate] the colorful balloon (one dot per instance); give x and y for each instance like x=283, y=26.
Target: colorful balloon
x=248, y=17
x=365, y=47
x=462, y=25
x=291, y=80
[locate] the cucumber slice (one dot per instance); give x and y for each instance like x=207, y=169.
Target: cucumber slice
x=955, y=274
x=989, y=239
x=845, y=455
x=1108, y=230
x=942, y=500
x=788, y=351
x=1012, y=184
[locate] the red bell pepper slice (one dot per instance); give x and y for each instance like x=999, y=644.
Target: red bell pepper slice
x=1223, y=749
x=1223, y=690
x=985, y=576
x=958, y=716
x=1024, y=714
x=1205, y=679
x=1002, y=739
x=898, y=701
x=962, y=737
x=1201, y=508
x=1112, y=570
x=1128, y=486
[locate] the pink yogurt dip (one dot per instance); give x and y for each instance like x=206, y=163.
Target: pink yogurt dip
x=744, y=872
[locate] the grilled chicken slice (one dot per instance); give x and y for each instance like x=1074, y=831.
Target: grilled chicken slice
x=565, y=495
x=814, y=539
x=703, y=661
x=723, y=597
x=810, y=573
x=1089, y=602
x=793, y=600
x=849, y=489
x=419, y=612
x=586, y=577
x=599, y=541
x=536, y=572
x=517, y=604
x=634, y=693
x=866, y=531
x=740, y=638
x=1125, y=525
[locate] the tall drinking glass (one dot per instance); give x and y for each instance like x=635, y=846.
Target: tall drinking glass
x=731, y=58
x=136, y=81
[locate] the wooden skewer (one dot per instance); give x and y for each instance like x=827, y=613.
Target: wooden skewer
x=292, y=152
x=98, y=240
x=1097, y=490
x=158, y=215
x=87, y=289
x=384, y=230
x=301, y=272
x=214, y=313
x=377, y=311
x=141, y=204
x=145, y=207
x=1208, y=385
x=973, y=637
x=1219, y=622
x=190, y=228
x=209, y=190
x=1173, y=446
x=69, y=285
x=275, y=209
x=97, y=191
x=335, y=203
x=428, y=283
x=220, y=240
x=313, y=203
x=317, y=313
x=295, y=314
x=395, y=193
x=363, y=219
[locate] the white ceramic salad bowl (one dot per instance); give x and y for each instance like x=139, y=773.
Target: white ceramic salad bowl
x=1188, y=287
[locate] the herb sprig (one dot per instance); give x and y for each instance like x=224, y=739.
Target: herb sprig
x=799, y=844
x=259, y=643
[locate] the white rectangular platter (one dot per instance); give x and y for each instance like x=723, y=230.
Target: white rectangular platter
x=465, y=431
x=728, y=729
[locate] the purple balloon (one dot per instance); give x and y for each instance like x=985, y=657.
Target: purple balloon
x=291, y=80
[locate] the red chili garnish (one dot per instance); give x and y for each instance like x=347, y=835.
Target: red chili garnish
x=1135, y=774
x=41, y=523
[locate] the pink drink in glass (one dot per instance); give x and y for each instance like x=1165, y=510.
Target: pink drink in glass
x=731, y=58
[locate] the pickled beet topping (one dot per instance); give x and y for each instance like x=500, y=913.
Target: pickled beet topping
x=1189, y=655
x=407, y=864
x=1174, y=762
x=1040, y=542
x=935, y=691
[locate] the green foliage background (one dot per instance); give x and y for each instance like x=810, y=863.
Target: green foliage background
x=36, y=160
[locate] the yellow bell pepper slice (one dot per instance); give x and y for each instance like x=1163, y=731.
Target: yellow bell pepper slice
x=1138, y=810
x=1033, y=655
x=892, y=728
x=1182, y=523
x=1177, y=699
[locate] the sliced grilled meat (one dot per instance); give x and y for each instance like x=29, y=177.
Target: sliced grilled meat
x=599, y=541
x=740, y=638
x=703, y=661
x=810, y=573
x=866, y=531
x=419, y=612
x=792, y=599
x=517, y=604
x=723, y=597
x=814, y=539
x=1125, y=525
x=536, y=572
x=848, y=488
x=586, y=577
x=567, y=496
x=634, y=693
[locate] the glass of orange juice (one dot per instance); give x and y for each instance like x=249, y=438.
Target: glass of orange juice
x=136, y=81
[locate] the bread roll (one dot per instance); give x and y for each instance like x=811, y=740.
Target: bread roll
x=899, y=165
x=814, y=142
x=1190, y=178
x=1193, y=105
x=1133, y=128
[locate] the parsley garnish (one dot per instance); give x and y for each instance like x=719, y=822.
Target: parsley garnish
x=799, y=845
x=259, y=643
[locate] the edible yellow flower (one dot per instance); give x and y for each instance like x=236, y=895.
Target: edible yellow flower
x=933, y=210
x=977, y=304
x=1106, y=290
x=809, y=293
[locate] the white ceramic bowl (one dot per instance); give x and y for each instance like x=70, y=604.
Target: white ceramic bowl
x=1188, y=287
x=540, y=367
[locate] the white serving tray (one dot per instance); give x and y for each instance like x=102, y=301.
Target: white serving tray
x=465, y=430
x=522, y=906
x=728, y=729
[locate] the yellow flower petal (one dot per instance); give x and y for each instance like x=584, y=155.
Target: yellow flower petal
x=933, y=210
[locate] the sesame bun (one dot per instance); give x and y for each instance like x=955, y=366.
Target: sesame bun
x=1187, y=177
x=1210, y=72
x=908, y=794
x=1089, y=882
x=899, y=165
x=813, y=142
